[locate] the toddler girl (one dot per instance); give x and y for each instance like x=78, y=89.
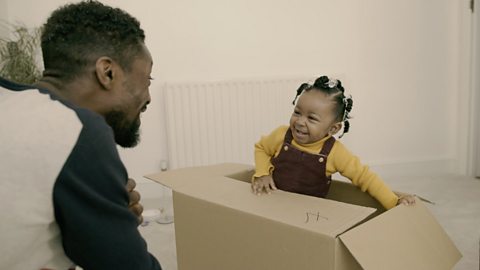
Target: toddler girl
x=302, y=157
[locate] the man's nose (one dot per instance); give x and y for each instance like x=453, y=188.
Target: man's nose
x=144, y=108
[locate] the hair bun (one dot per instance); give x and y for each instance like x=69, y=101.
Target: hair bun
x=300, y=89
x=340, y=87
x=321, y=82
x=349, y=104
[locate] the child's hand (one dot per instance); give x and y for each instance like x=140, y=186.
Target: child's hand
x=263, y=184
x=405, y=199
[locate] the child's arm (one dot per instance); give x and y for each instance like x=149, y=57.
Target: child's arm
x=265, y=149
x=350, y=166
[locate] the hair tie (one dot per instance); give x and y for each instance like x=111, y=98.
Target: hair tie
x=332, y=83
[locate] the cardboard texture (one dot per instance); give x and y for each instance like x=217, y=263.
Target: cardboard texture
x=220, y=224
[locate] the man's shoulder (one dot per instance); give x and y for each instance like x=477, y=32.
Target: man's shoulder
x=13, y=86
x=39, y=122
x=28, y=100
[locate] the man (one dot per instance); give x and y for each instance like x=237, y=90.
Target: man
x=63, y=194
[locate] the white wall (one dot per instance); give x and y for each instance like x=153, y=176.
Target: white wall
x=400, y=59
x=3, y=16
x=476, y=96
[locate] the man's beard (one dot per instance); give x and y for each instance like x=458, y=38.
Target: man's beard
x=127, y=134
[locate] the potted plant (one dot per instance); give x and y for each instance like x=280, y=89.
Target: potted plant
x=19, y=53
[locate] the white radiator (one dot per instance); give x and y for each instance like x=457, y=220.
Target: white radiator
x=216, y=122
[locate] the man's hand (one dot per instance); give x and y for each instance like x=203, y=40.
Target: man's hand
x=263, y=184
x=134, y=200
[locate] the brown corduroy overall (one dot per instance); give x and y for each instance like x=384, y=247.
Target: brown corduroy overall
x=301, y=172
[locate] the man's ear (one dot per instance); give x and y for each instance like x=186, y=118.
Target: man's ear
x=334, y=128
x=104, y=71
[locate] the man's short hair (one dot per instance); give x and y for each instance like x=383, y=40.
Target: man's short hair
x=76, y=35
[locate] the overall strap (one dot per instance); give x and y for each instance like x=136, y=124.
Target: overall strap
x=327, y=146
x=288, y=136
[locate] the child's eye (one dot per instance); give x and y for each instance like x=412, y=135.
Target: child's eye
x=296, y=112
x=313, y=119
x=150, y=78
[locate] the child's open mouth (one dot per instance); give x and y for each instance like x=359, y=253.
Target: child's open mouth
x=300, y=133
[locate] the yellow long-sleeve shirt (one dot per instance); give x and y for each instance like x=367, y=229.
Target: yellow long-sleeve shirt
x=339, y=160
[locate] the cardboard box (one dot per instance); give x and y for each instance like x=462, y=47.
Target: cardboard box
x=221, y=225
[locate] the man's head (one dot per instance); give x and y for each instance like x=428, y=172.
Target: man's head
x=99, y=52
x=76, y=35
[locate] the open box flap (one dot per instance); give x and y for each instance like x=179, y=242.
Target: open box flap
x=405, y=237
x=210, y=183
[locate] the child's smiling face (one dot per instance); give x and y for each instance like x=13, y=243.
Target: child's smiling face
x=313, y=117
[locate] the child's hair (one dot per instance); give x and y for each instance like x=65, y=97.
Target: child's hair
x=332, y=88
